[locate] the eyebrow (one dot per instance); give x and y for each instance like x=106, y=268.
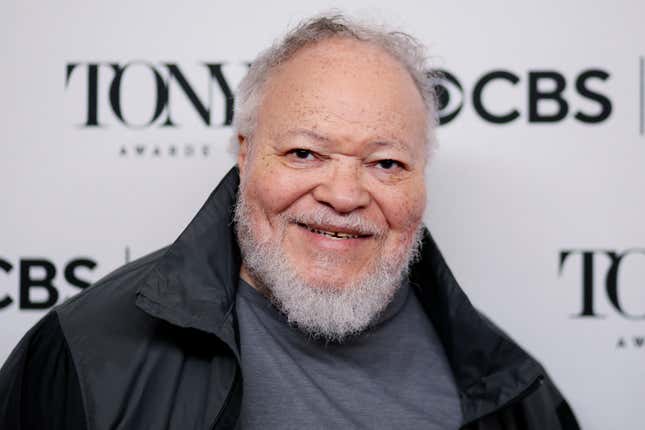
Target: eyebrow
x=309, y=133
x=379, y=142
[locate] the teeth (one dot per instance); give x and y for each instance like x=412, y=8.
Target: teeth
x=334, y=234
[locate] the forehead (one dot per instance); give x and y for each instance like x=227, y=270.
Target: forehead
x=344, y=89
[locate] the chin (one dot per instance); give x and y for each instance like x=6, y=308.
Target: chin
x=329, y=284
x=329, y=277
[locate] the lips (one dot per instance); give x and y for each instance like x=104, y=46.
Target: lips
x=333, y=233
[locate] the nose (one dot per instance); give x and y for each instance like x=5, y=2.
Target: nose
x=342, y=188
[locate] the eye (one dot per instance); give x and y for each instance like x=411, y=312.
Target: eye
x=302, y=154
x=388, y=164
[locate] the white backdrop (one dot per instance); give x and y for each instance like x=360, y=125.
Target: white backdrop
x=527, y=213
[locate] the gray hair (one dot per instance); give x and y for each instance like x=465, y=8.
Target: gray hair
x=401, y=46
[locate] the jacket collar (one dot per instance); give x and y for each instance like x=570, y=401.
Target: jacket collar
x=194, y=283
x=489, y=368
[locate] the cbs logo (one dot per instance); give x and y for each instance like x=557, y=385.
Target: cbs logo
x=541, y=95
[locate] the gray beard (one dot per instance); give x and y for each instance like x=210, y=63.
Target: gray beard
x=322, y=310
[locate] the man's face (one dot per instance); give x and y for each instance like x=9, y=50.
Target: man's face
x=335, y=176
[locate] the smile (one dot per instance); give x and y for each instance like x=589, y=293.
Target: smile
x=332, y=234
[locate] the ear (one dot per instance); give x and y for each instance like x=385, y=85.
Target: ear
x=242, y=153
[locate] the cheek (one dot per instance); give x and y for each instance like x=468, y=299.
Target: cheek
x=404, y=209
x=273, y=189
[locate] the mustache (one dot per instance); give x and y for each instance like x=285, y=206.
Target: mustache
x=328, y=217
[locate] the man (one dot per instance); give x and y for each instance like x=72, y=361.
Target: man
x=306, y=292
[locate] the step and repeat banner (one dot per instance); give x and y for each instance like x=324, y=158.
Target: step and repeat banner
x=116, y=123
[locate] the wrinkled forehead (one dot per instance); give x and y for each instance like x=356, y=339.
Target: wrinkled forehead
x=347, y=88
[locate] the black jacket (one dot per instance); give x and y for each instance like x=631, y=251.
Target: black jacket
x=153, y=346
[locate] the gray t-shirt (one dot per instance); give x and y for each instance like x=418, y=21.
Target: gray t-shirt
x=394, y=375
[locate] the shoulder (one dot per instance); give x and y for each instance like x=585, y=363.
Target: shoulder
x=106, y=311
x=121, y=283
x=107, y=302
x=129, y=360
x=541, y=405
x=47, y=359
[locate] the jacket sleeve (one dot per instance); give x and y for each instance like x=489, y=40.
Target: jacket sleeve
x=39, y=387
